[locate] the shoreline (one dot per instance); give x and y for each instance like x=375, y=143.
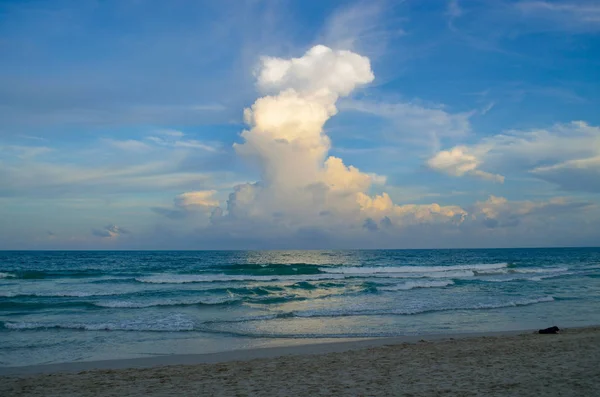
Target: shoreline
x=316, y=348
x=519, y=363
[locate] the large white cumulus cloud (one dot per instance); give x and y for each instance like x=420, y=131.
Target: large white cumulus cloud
x=301, y=186
x=287, y=127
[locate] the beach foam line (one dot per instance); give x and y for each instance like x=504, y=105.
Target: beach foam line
x=476, y=306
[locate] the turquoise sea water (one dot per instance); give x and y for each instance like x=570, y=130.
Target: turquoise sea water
x=69, y=306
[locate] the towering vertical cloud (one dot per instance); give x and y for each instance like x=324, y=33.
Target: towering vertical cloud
x=301, y=187
x=287, y=127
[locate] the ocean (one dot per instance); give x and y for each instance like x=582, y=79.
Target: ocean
x=63, y=306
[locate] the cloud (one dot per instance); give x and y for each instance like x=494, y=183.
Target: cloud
x=26, y=179
x=362, y=27
x=453, y=9
x=202, y=198
x=166, y=163
x=458, y=162
x=171, y=133
x=572, y=15
x=174, y=139
x=487, y=108
x=577, y=175
x=25, y=152
x=106, y=115
x=194, y=144
x=190, y=203
x=415, y=123
x=370, y=225
x=189, y=78
x=565, y=154
x=167, y=139
x=128, y=145
x=498, y=212
x=301, y=187
x=110, y=232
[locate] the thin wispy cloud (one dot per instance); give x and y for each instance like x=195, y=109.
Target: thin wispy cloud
x=25, y=152
x=110, y=232
x=453, y=12
x=361, y=26
x=128, y=145
x=574, y=16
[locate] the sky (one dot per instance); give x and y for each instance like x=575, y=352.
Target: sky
x=257, y=124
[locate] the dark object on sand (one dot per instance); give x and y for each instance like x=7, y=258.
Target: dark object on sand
x=551, y=330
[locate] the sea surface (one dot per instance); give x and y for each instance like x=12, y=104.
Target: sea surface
x=75, y=305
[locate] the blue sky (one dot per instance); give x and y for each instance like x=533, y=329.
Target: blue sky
x=469, y=124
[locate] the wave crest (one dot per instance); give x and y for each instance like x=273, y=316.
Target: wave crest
x=417, y=284
x=209, y=278
x=411, y=269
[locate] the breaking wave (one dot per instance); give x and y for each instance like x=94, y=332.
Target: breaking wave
x=416, y=284
x=122, y=304
x=411, y=269
x=73, y=294
x=7, y=275
x=209, y=278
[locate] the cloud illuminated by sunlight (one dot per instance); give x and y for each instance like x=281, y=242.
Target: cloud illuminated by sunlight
x=301, y=186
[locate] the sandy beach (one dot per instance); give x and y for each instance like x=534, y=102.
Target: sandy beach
x=524, y=363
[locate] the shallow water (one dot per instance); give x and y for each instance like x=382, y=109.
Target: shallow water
x=69, y=306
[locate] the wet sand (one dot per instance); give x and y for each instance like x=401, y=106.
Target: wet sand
x=507, y=364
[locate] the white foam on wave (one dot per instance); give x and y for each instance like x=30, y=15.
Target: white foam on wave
x=491, y=272
x=120, y=304
x=540, y=270
x=590, y=267
x=359, y=270
x=208, y=278
x=175, y=322
x=416, y=284
x=525, y=302
x=505, y=279
x=451, y=274
x=7, y=275
x=528, y=277
x=72, y=294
